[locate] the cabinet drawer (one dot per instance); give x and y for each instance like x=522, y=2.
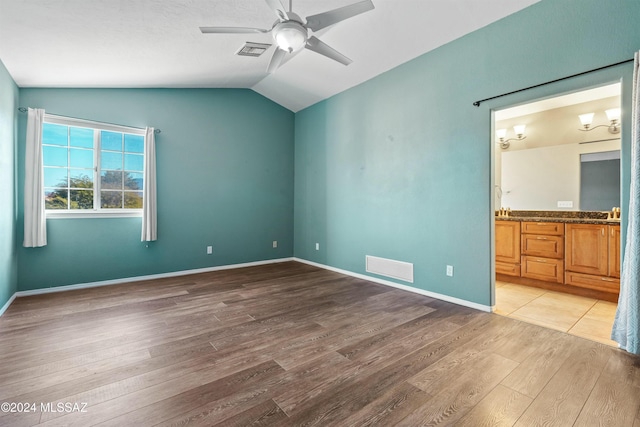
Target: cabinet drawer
x=548, y=269
x=545, y=246
x=599, y=283
x=508, y=269
x=547, y=228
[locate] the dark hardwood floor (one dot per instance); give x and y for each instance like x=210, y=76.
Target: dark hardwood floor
x=291, y=345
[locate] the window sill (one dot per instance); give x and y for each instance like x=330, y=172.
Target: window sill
x=129, y=213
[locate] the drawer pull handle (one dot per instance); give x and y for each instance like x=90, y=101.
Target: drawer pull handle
x=607, y=279
x=602, y=231
x=541, y=238
x=540, y=260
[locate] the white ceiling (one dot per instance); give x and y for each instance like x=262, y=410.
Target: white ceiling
x=157, y=43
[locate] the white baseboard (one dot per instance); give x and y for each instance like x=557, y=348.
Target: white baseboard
x=248, y=264
x=141, y=278
x=4, y=307
x=442, y=297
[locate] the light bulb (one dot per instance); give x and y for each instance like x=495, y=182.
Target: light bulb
x=501, y=133
x=613, y=114
x=290, y=36
x=519, y=130
x=586, y=119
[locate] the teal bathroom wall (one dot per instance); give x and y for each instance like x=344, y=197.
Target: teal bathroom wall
x=401, y=166
x=8, y=257
x=225, y=178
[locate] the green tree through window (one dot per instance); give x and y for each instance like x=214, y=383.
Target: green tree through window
x=91, y=168
x=76, y=198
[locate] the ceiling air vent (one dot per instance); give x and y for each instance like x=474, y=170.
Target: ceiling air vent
x=253, y=49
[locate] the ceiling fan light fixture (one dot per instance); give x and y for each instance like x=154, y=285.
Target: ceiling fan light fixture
x=290, y=36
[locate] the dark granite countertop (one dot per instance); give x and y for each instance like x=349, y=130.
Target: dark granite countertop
x=582, y=217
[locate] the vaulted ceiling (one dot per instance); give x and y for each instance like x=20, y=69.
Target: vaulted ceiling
x=157, y=43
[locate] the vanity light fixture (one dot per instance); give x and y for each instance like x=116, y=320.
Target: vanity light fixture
x=613, y=115
x=502, y=133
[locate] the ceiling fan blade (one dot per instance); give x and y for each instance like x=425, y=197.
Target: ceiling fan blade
x=276, y=60
x=278, y=8
x=231, y=30
x=325, y=19
x=316, y=45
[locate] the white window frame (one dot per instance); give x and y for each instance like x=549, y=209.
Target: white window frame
x=93, y=213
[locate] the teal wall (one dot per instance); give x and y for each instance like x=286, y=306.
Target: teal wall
x=401, y=165
x=225, y=178
x=8, y=258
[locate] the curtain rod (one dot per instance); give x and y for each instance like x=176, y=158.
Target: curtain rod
x=24, y=110
x=477, y=103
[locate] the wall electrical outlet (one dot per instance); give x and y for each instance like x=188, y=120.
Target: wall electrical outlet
x=450, y=270
x=317, y=246
x=275, y=243
x=565, y=203
x=209, y=250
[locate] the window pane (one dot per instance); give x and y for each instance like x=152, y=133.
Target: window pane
x=111, y=161
x=54, y=156
x=111, y=180
x=111, y=140
x=80, y=178
x=111, y=199
x=55, y=177
x=70, y=162
x=134, y=162
x=55, y=198
x=81, y=199
x=133, y=200
x=133, y=181
x=81, y=137
x=54, y=134
x=80, y=158
x=133, y=143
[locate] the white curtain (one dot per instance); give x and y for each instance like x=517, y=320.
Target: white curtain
x=626, y=327
x=149, y=204
x=35, y=225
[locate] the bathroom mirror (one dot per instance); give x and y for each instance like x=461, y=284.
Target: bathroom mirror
x=555, y=162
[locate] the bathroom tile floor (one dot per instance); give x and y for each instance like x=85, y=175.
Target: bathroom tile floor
x=584, y=317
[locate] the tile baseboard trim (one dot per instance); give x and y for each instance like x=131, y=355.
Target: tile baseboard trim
x=435, y=295
x=141, y=278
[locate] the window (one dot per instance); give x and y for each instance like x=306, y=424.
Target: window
x=91, y=167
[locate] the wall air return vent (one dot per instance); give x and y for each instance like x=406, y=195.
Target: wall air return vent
x=253, y=49
x=390, y=268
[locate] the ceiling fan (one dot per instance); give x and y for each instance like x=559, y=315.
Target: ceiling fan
x=291, y=34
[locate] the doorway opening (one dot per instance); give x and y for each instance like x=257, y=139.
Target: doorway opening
x=557, y=200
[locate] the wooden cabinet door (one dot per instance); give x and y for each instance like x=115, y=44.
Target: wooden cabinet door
x=508, y=241
x=614, y=250
x=587, y=248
